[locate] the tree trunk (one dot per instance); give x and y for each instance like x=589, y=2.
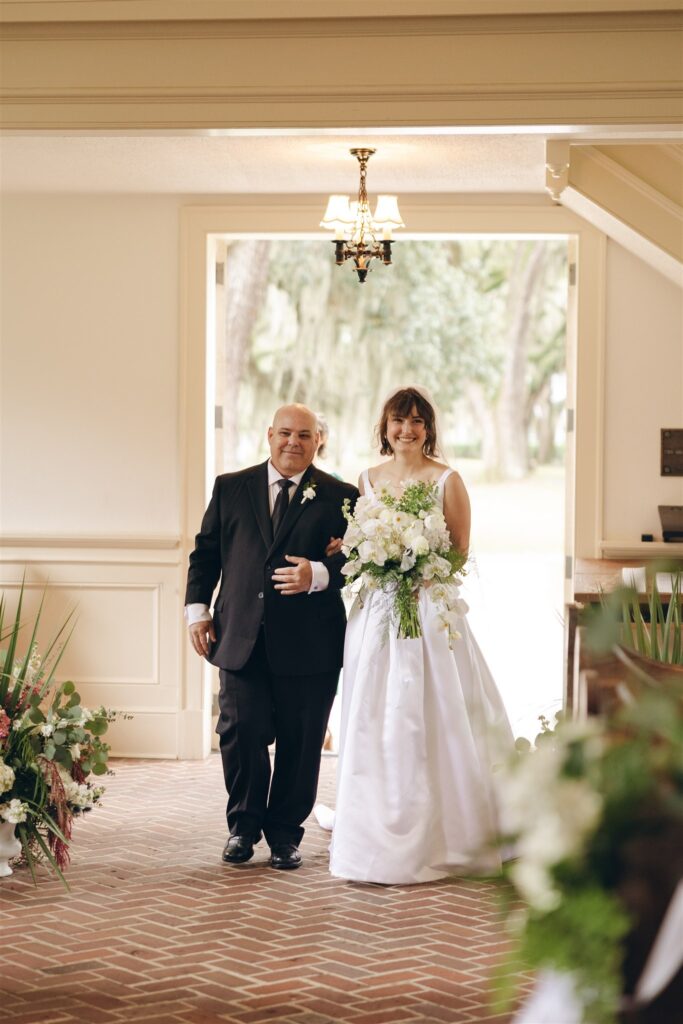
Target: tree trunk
x=246, y=274
x=511, y=406
x=484, y=414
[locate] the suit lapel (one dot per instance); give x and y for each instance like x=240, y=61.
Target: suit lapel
x=258, y=492
x=296, y=507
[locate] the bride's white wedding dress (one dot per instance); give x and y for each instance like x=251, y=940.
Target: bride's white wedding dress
x=422, y=727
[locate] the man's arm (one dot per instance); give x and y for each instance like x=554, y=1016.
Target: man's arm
x=205, y=561
x=202, y=577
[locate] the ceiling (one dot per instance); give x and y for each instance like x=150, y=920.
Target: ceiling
x=282, y=163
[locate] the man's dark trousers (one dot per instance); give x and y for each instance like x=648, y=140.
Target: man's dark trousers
x=256, y=703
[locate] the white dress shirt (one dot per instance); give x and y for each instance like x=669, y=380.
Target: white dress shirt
x=200, y=612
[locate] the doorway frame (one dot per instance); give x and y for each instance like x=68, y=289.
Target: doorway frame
x=430, y=217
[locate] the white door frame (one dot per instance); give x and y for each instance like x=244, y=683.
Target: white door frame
x=429, y=217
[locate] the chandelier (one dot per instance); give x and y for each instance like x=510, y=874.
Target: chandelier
x=360, y=235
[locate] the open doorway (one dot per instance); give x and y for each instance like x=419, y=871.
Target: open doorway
x=481, y=321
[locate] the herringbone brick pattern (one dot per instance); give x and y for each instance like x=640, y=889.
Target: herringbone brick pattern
x=157, y=929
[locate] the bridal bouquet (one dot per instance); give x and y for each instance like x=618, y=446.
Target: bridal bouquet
x=400, y=543
x=50, y=746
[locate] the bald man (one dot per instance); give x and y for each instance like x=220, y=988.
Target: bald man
x=276, y=633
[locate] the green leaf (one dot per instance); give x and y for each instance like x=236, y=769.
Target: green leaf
x=68, y=688
x=97, y=726
x=36, y=715
x=59, y=736
x=99, y=769
x=50, y=750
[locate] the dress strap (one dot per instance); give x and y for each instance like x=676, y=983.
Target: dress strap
x=444, y=476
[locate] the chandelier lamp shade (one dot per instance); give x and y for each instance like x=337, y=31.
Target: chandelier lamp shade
x=359, y=235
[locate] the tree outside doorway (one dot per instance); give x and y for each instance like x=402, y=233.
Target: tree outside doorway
x=481, y=322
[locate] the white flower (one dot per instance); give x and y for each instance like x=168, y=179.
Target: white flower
x=407, y=562
x=535, y=885
x=6, y=777
x=75, y=751
x=308, y=493
x=420, y=545
x=371, y=527
x=15, y=811
x=47, y=729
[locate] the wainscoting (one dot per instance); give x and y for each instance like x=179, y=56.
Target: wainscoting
x=125, y=651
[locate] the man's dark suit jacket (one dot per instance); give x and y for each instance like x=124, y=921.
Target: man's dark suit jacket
x=304, y=633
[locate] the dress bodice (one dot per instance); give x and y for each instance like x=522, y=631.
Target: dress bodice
x=440, y=483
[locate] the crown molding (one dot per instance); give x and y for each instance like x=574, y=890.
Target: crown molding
x=37, y=11
x=281, y=74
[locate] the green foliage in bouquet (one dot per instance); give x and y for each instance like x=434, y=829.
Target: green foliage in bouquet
x=50, y=745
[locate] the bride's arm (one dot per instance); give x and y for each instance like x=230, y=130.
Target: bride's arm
x=361, y=484
x=456, y=510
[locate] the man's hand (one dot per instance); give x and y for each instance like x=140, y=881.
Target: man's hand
x=200, y=635
x=295, y=580
x=333, y=546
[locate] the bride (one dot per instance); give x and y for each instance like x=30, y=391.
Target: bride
x=422, y=723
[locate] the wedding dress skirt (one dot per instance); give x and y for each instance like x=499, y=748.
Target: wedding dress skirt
x=423, y=727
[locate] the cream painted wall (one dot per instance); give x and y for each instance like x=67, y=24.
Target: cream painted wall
x=89, y=335
x=643, y=393
x=90, y=446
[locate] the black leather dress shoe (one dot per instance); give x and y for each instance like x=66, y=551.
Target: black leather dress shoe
x=285, y=857
x=238, y=849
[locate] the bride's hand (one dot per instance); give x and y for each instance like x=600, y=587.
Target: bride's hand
x=333, y=547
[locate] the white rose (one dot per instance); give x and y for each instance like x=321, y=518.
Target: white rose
x=420, y=546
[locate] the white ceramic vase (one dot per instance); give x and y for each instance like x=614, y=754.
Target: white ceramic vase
x=9, y=847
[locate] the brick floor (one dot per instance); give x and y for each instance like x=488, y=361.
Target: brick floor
x=157, y=929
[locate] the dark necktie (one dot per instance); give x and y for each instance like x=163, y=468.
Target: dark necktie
x=281, y=504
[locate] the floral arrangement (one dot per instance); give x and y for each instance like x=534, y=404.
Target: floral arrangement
x=50, y=746
x=399, y=543
x=580, y=810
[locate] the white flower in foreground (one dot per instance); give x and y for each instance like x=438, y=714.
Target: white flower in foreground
x=535, y=885
x=6, y=777
x=47, y=729
x=75, y=751
x=15, y=811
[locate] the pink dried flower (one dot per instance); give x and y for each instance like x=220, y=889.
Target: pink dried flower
x=4, y=724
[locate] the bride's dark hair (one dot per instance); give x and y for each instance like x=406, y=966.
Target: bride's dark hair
x=401, y=404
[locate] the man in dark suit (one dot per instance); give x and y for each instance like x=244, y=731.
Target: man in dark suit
x=277, y=631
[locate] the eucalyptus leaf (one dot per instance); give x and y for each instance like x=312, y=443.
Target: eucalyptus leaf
x=99, y=769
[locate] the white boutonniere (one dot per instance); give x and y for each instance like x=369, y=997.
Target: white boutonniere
x=309, y=491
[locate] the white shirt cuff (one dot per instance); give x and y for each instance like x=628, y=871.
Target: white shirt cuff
x=197, y=613
x=321, y=577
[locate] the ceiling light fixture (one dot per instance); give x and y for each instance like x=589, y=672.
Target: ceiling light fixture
x=362, y=236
